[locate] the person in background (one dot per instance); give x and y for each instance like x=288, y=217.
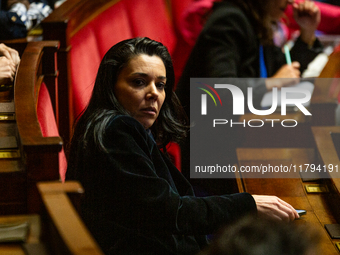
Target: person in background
x=237, y=42
x=253, y=236
x=237, y=31
x=136, y=200
x=9, y=62
x=17, y=17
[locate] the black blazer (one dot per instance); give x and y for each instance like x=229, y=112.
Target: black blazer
x=137, y=202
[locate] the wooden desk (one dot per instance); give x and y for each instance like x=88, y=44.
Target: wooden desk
x=327, y=153
x=58, y=230
x=12, y=166
x=322, y=208
x=33, y=237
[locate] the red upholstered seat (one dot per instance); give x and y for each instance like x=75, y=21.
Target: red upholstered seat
x=174, y=151
x=48, y=124
x=194, y=18
x=178, y=7
x=151, y=19
x=111, y=27
x=85, y=60
x=191, y=17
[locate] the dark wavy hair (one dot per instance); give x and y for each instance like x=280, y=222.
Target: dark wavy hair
x=257, y=236
x=259, y=13
x=90, y=127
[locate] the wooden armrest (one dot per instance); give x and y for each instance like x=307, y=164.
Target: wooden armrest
x=70, y=227
x=29, y=77
x=58, y=187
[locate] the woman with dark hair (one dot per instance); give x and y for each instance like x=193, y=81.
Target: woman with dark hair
x=237, y=42
x=136, y=201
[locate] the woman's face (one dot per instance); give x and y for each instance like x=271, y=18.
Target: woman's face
x=140, y=88
x=278, y=8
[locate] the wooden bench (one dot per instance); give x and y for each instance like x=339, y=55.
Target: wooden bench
x=68, y=235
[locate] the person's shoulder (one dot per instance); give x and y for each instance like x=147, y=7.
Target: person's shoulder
x=123, y=129
x=125, y=124
x=228, y=7
x=228, y=12
x=124, y=121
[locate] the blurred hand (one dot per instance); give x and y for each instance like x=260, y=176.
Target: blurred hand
x=10, y=54
x=274, y=208
x=7, y=70
x=307, y=15
x=290, y=73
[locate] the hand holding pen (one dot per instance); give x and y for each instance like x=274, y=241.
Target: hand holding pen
x=289, y=71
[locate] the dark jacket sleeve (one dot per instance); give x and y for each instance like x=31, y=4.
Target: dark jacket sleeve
x=227, y=44
x=304, y=54
x=147, y=198
x=11, y=26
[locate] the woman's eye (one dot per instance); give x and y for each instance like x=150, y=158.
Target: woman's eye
x=161, y=85
x=139, y=82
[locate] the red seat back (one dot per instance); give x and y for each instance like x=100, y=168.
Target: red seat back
x=48, y=124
